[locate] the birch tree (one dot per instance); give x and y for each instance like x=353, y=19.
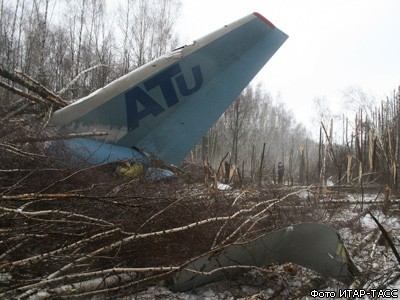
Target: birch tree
x=147, y=29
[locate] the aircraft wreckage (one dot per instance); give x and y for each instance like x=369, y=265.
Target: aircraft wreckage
x=312, y=245
x=164, y=107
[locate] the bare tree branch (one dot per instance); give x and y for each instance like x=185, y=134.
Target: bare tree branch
x=18, y=151
x=61, y=137
x=36, y=88
x=79, y=76
x=20, y=93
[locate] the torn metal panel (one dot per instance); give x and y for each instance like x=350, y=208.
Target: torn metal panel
x=312, y=245
x=164, y=107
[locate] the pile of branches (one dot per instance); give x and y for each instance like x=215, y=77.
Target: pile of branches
x=70, y=229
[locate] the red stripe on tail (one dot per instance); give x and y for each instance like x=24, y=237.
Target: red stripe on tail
x=260, y=16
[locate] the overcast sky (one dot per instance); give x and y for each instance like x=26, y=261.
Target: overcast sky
x=332, y=45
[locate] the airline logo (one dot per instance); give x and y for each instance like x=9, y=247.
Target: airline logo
x=139, y=103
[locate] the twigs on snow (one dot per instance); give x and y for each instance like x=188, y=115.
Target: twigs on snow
x=107, y=243
x=386, y=236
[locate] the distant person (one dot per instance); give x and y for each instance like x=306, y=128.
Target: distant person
x=281, y=171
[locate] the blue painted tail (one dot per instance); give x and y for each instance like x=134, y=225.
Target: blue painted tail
x=167, y=105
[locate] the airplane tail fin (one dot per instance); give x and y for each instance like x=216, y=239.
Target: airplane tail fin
x=167, y=105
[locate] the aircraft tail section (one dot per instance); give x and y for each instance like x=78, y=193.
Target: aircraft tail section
x=167, y=105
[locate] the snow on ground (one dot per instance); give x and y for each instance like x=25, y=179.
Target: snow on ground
x=370, y=252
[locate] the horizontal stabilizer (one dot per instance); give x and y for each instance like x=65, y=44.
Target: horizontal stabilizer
x=167, y=105
x=312, y=245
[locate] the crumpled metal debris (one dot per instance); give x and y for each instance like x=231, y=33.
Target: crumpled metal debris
x=312, y=245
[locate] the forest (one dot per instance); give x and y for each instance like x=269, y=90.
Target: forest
x=74, y=229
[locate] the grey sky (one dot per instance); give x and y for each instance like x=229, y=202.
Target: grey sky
x=331, y=45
